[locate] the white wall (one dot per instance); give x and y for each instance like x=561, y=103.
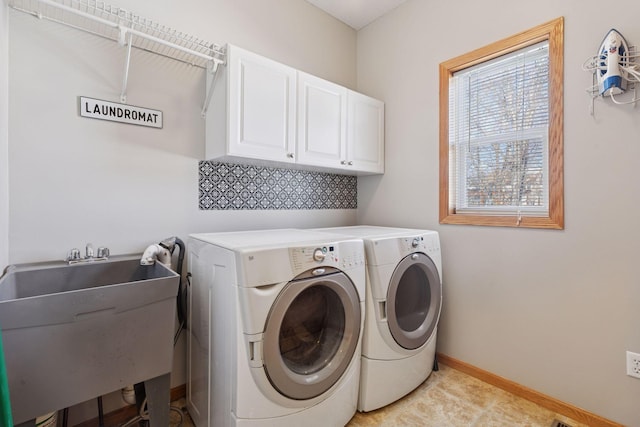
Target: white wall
x=4, y=136
x=75, y=180
x=552, y=310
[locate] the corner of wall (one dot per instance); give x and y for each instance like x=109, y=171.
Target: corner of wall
x=4, y=135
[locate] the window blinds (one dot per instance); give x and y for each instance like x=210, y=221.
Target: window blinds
x=498, y=136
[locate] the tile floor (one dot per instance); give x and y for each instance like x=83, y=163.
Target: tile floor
x=449, y=398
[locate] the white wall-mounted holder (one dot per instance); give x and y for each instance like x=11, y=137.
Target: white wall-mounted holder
x=614, y=69
x=128, y=29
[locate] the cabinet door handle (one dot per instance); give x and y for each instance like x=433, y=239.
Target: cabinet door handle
x=290, y=155
x=350, y=163
x=343, y=162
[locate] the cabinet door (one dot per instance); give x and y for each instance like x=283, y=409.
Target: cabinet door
x=322, y=122
x=365, y=149
x=261, y=107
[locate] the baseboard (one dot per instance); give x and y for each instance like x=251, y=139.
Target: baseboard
x=122, y=415
x=516, y=389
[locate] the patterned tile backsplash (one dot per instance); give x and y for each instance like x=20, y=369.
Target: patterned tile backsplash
x=229, y=186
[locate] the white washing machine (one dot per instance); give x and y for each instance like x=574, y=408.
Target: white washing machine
x=275, y=328
x=403, y=302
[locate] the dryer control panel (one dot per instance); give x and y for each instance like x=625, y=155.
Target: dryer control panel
x=423, y=243
x=387, y=250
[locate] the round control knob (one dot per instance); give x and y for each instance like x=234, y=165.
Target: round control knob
x=319, y=255
x=415, y=242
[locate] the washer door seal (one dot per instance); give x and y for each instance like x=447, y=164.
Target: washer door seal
x=413, y=301
x=311, y=335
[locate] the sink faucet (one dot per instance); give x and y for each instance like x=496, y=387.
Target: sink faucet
x=89, y=251
x=74, y=255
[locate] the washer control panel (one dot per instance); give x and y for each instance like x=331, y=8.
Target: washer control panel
x=319, y=254
x=342, y=256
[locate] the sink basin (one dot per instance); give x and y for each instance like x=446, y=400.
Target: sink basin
x=75, y=332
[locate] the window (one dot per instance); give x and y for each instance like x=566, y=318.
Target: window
x=501, y=138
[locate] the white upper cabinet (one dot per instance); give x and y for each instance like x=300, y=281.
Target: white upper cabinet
x=322, y=122
x=252, y=111
x=262, y=110
x=365, y=150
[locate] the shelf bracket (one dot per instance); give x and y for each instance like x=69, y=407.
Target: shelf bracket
x=212, y=68
x=125, y=78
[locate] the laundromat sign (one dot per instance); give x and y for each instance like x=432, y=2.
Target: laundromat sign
x=123, y=113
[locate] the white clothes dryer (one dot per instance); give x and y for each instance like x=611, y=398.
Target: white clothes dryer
x=403, y=303
x=275, y=328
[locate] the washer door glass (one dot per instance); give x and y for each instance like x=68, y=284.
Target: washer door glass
x=311, y=335
x=413, y=301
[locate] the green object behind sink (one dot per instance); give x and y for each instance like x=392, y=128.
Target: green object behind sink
x=5, y=403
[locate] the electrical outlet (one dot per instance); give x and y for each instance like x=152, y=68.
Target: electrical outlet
x=633, y=364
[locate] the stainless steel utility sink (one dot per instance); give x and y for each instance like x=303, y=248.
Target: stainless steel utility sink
x=75, y=332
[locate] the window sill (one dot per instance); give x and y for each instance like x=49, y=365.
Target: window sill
x=503, y=221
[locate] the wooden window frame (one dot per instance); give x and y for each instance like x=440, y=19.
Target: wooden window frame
x=552, y=31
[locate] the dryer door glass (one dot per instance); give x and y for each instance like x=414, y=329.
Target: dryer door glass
x=311, y=335
x=413, y=301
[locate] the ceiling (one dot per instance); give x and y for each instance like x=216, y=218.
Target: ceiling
x=357, y=13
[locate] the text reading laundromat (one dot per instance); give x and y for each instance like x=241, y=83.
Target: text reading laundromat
x=123, y=113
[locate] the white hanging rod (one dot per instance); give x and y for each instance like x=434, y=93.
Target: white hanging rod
x=124, y=22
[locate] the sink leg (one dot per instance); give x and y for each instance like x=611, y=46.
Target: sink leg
x=158, y=391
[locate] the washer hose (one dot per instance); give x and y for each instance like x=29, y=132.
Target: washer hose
x=181, y=299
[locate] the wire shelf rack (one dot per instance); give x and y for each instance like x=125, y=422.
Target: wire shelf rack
x=127, y=28
x=122, y=26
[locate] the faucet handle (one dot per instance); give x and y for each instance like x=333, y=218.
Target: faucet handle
x=103, y=252
x=74, y=255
